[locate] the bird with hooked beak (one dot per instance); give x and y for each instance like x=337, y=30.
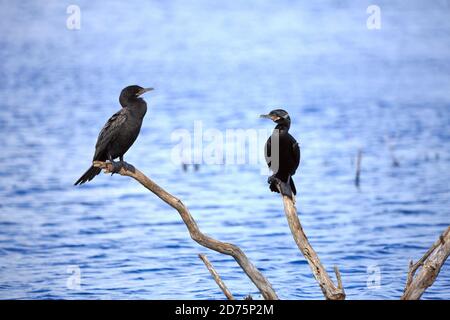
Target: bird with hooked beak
x=282, y=154
x=119, y=132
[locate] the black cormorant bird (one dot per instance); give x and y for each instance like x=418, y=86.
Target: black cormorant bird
x=283, y=159
x=120, y=132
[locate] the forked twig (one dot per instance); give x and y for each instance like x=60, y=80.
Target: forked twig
x=226, y=248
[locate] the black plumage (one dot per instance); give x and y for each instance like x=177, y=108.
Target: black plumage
x=282, y=153
x=119, y=132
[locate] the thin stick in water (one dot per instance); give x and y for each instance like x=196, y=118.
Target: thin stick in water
x=216, y=277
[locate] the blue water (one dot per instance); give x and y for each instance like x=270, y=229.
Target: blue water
x=222, y=63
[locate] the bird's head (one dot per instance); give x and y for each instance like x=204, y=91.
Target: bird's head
x=279, y=116
x=132, y=93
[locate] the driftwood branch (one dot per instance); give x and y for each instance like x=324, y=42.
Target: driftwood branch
x=216, y=277
x=431, y=264
x=330, y=291
x=226, y=248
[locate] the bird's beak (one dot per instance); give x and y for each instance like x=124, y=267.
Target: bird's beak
x=269, y=116
x=143, y=90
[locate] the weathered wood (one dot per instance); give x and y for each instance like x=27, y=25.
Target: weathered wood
x=226, y=248
x=431, y=264
x=216, y=277
x=330, y=291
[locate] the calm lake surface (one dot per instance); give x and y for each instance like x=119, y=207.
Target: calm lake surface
x=386, y=92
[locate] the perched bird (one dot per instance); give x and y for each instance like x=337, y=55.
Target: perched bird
x=120, y=132
x=282, y=153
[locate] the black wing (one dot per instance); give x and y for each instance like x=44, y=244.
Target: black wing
x=109, y=132
x=296, y=154
x=267, y=150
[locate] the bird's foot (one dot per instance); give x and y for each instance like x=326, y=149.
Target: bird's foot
x=119, y=165
x=127, y=166
x=273, y=180
x=116, y=166
x=276, y=185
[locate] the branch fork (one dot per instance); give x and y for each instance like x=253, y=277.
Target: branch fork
x=252, y=272
x=429, y=265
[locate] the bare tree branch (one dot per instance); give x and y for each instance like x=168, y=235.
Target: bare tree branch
x=226, y=248
x=330, y=291
x=431, y=264
x=338, y=278
x=216, y=277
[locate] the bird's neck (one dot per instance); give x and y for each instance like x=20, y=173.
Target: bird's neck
x=137, y=107
x=283, y=127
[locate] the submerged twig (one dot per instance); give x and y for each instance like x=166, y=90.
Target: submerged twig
x=358, y=168
x=395, y=162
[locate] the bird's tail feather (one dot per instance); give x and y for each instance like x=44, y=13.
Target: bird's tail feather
x=88, y=175
x=291, y=182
